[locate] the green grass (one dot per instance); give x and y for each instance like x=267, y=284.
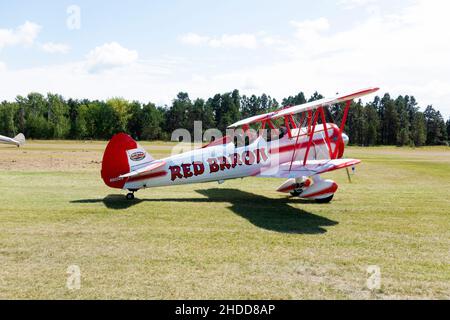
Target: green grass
x=237, y=240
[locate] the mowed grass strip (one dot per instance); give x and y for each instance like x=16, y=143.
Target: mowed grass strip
x=237, y=240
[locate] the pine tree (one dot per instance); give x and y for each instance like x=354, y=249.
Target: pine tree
x=419, y=131
x=447, y=124
x=403, y=135
x=390, y=121
x=372, y=125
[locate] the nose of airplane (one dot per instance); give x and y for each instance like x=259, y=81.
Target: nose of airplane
x=345, y=139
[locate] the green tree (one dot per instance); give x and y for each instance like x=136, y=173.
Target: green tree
x=178, y=116
x=419, y=131
x=7, y=123
x=101, y=120
x=436, y=130
x=357, y=123
x=372, y=125
x=294, y=100
x=152, y=120
x=207, y=114
x=57, y=117
x=135, y=123
x=390, y=121
x=121, y=108
x=447, y=124
x=403, y=134
x=33, y=116
x=316, y=96
x=80, y=127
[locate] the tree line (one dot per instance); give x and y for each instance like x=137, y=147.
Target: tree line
x=383, y=121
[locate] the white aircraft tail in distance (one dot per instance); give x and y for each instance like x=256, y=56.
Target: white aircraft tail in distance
x=18, y=140
x=299, y=151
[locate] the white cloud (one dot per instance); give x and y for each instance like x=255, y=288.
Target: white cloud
x=309, y=29
x=52, y=47
x=272, y=41
x=403, y=53
x=242, y=40
x=193, y=39
x=24, y=34
x=2, y=66
x=144, y=80
x=351, y=4
x=110, y=55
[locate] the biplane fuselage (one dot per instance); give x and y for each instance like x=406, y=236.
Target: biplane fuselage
x=228, y=161
x=296, y=152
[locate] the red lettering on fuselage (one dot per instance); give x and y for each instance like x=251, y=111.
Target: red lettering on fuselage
x=236, y=160
x=224, y=163
x=213, y=166
x=175, y=172
x=249, y=158
x=199, y=168
x=261, y=154
x=187, y=170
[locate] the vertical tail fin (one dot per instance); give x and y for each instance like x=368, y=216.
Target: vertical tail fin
x=122, y=155
x=20, y=138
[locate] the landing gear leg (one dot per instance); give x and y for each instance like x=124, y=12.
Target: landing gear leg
x=130, y=195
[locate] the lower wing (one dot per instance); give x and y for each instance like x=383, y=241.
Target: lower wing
x=312, y=167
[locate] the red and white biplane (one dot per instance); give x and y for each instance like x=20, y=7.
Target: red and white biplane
x=299, y=150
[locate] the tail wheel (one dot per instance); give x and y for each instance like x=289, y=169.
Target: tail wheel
x=325, y=200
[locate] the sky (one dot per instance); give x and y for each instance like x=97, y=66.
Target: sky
x=151, y=50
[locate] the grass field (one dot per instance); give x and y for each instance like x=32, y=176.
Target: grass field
x=237, y=240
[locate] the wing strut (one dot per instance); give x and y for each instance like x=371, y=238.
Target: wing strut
x=327, y=137
x=295, y=146
x=344, y=119
x=311, y=136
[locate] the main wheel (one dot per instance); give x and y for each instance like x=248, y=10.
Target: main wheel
x=130, y=196
x=295, y=193
x=325, y=200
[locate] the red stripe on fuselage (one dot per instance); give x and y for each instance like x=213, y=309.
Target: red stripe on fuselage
x=148, y=176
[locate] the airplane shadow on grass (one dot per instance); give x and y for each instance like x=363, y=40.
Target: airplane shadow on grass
x=266, y=213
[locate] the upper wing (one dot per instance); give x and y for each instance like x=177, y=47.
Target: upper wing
x=311, y=168
x=305, y=107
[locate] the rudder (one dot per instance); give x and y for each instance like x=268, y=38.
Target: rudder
x=122, y=154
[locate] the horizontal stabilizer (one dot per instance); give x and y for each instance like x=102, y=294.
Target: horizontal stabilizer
x=151, y=167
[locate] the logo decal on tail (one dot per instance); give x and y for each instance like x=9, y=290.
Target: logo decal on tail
x=137, y=156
